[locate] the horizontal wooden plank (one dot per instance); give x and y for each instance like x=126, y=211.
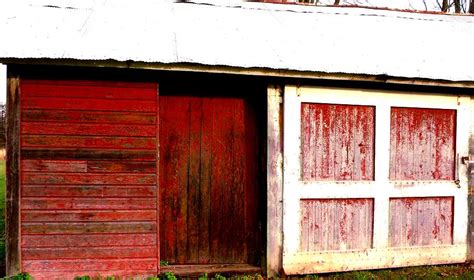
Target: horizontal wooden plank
x=121, y=166
x=95, y=274
x=87, y=240
x=54, y=165
x=99, y=83
x=88, y=228
x=88, y=104
x=87, y=178
x=59, y=141
x=87, y=203
x=88, y=216
x=88, y=253
x=80, y=265
x=88, y=117
x=88, y=191
x=87, y=154
x=39, y=128
x=87, y=91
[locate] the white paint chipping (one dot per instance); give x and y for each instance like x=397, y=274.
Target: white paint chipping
x=242, y=35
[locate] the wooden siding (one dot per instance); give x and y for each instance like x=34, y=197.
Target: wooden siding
x=422, y=144
x=337, y=142
x=88, y=178
x=421, y=221
x=336, y=224
x=207, y=180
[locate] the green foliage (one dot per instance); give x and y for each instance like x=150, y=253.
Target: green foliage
x=219, y=277
x=203, y=277
x=82, y=278
x=21, y=276
x=168, y=276
x=164, y=263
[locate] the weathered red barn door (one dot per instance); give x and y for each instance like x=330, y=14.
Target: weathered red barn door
x=373, y=179
x=208, y=182
x=88, y=179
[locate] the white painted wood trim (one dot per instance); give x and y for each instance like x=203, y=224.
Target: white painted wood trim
x=462, y=149
x=334, y=261
x=274, y=242
x=291, y=170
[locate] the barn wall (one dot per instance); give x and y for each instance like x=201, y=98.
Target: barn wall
x=88, y=178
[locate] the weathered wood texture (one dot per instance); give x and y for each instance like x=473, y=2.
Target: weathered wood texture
x=89, y=178
x=207, y=180
x=337, y=142
x=422, y=144
x=336, y=224
x=274, y=232
x=13, y=177
x=470, y=233
x=421, y=221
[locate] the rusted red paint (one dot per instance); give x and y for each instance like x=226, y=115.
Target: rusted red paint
x=207, y=180
x=421, y=221
x=88, y=178
x=336, y=224
x=422, y=144
x=337, y=142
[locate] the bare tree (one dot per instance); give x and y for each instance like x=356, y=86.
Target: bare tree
x=456, y=6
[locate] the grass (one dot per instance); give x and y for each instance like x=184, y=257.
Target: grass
x=462, y=271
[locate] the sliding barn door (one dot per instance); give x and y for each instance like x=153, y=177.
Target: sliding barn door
x=373, y=179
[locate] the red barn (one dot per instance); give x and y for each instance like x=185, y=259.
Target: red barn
x=177, y=137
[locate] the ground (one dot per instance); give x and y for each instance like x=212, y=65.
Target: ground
x=465, y=271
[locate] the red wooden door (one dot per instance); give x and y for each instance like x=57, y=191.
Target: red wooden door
x=373, y=179
x=207, y=180
x=88, y=179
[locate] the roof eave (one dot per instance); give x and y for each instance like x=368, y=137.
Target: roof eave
x=253, y=71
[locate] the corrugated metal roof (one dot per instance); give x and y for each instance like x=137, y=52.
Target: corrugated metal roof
x=243, y=35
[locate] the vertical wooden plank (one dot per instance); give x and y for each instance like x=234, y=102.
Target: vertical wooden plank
x=470, y=198
x=206, y=179
x=194, y=209
x=254, y=169
x=168, y=181
x=274, y=250
x=179, y=119
x=12, y=227
x=157, y=164
x=241, y=186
